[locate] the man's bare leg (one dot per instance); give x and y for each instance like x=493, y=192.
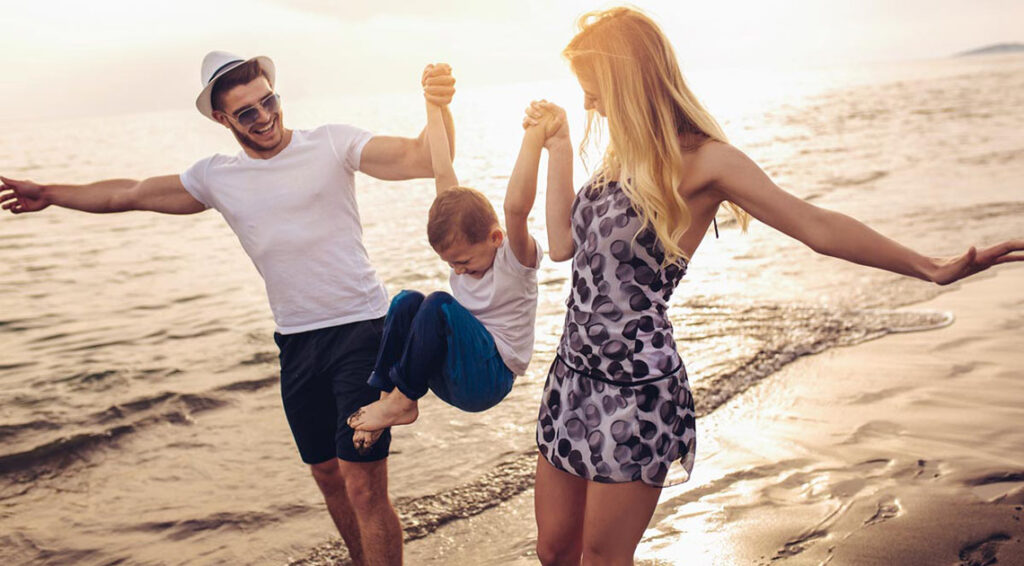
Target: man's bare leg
x=366, y=484
x=332, y=485
x=395, y=409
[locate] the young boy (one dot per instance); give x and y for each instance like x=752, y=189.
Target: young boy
x=469, y=347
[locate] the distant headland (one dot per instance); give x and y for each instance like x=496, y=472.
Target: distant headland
x=996, y=48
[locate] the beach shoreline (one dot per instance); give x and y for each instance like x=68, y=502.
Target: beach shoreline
x=902, y=450
x=142, y=418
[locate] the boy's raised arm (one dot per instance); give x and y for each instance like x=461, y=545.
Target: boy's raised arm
x=519, y=197
x=440, y=156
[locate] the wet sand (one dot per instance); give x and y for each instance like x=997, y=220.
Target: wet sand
x=905, y=450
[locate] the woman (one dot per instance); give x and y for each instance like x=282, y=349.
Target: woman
x=616, y=422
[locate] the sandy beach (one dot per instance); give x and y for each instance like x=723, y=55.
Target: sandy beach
x=905, y=450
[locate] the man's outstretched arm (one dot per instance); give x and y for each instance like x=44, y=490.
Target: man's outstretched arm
x=396, y=158
x=158, y=194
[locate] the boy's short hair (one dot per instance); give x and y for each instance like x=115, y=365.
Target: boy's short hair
x=240, y=75
x=460, y=214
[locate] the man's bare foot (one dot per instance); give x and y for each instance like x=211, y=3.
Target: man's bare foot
x=395, y=409
x=363, y=440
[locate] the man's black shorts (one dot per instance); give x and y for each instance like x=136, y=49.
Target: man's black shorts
x=323, y=381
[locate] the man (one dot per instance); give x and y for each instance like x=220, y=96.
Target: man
x=289, y=197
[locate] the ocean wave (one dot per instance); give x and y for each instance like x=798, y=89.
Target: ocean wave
x=244, y=521
x=98, y=430
x=784, y=333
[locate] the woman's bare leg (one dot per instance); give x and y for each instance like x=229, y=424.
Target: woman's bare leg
x=617, y=516
x=559, y=501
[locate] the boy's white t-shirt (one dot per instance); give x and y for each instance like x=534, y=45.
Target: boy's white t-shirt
x=295, y=215
x=504, y=300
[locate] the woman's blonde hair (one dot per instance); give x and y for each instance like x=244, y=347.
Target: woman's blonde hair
x=648, y=107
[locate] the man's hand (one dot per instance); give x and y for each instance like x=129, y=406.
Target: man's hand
x=22, y=196
x=438, y=84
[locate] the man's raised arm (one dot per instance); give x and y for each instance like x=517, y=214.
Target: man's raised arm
x=158, y=194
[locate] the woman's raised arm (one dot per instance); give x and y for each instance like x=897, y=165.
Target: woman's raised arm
x=560, y=192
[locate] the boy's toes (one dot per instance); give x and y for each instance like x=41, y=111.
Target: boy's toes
x=355, y=419
x=364, y=440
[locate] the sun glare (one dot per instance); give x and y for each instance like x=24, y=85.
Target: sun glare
x=330, y=46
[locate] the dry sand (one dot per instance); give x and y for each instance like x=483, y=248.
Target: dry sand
x=903, y=451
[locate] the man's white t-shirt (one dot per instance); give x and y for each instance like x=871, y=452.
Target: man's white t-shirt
x=295, y=214
x=504, y=300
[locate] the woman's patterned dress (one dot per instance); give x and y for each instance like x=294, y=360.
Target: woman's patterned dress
x=617, y=405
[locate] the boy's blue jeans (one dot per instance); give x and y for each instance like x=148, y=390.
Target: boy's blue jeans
x=434, y=343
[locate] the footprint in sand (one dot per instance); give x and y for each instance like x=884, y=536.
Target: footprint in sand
x=984, y=552
x=888, y=508
x=800, y=544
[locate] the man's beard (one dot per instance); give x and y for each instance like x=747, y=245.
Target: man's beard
x=244, y=139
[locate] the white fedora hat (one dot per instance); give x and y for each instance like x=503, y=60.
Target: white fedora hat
x=215, y=65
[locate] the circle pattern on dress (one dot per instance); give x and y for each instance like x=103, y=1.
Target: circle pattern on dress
x=616, y=438
x=617, y=328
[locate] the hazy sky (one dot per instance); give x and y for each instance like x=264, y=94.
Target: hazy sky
x=69, y=57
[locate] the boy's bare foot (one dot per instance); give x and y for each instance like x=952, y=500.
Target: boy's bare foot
x=395, y=409
x=363, y=440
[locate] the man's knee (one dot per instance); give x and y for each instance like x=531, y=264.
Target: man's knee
x=327, y=476
x=365, y=485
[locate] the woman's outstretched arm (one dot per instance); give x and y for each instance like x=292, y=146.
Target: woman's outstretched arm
x=738, y=179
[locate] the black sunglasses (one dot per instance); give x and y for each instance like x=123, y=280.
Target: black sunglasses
x=247, y=116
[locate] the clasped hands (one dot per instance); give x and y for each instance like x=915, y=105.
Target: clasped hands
x=548, y=118
x=438, y=84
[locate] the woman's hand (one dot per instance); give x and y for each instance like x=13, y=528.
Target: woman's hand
x=551, y=117
x=953, y=269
